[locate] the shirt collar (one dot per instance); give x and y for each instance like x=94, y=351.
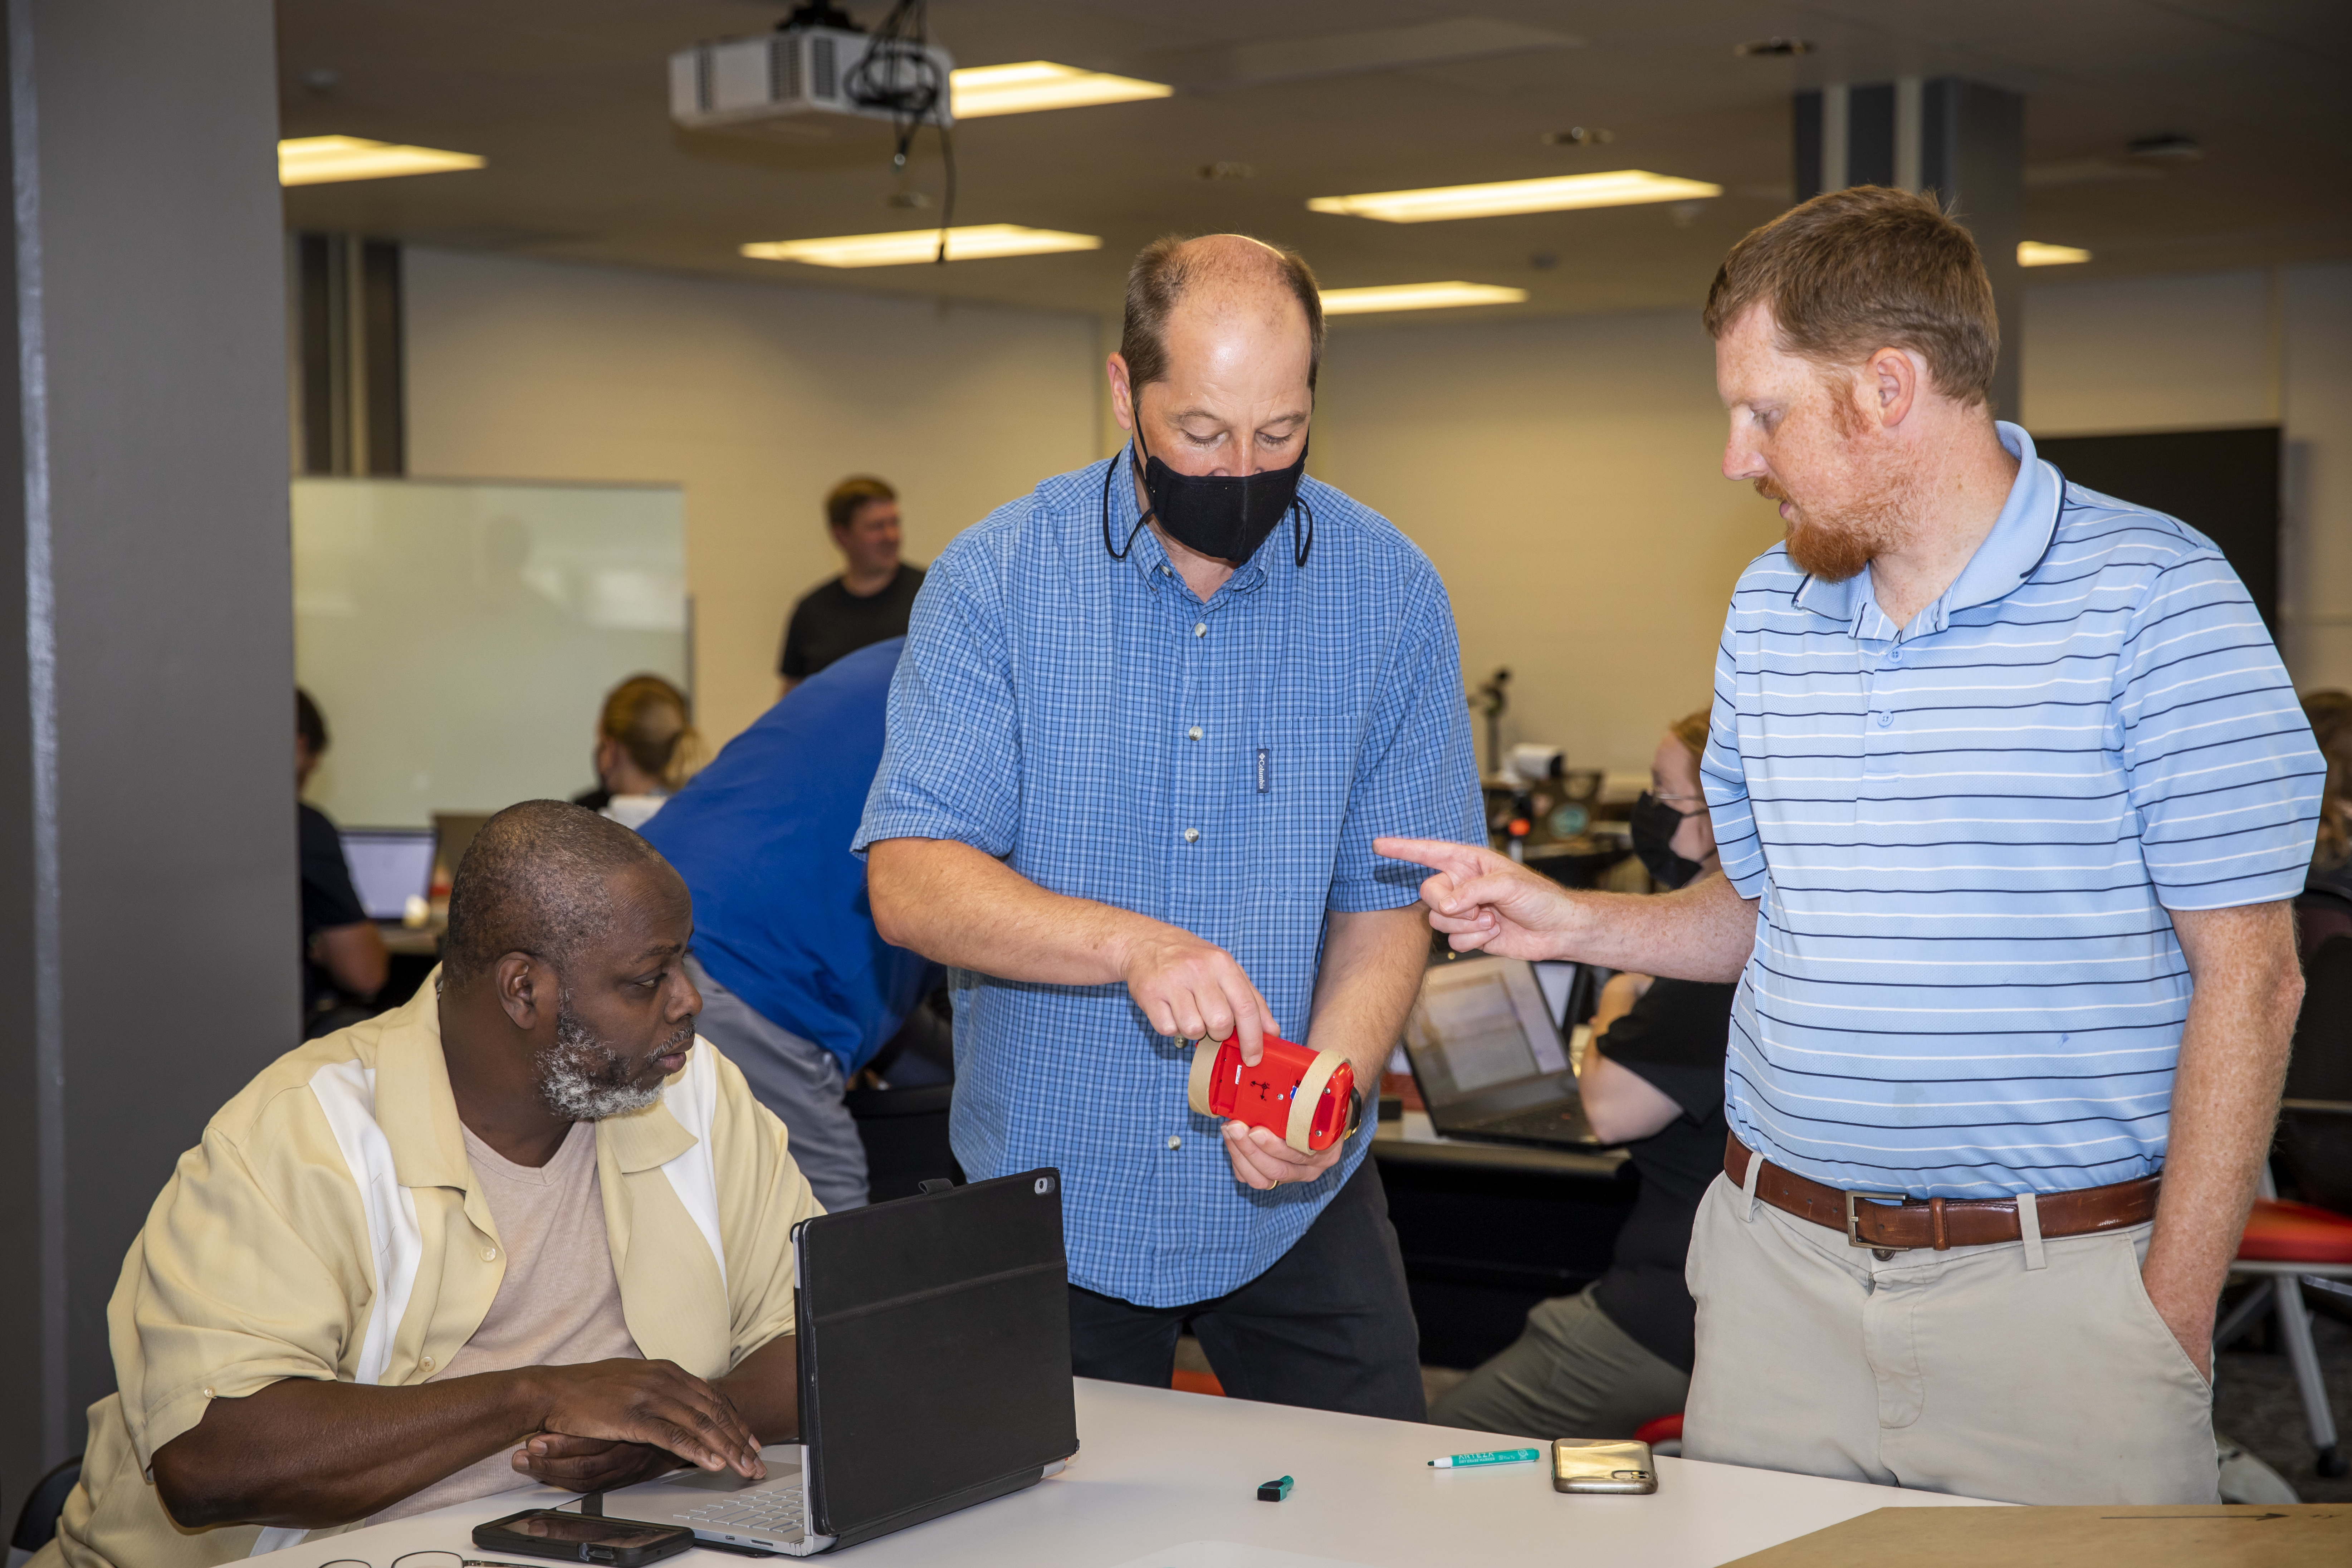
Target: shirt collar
x=413, y=1104
x=1149, y=557
x=418, y=1112
x=2020, y=537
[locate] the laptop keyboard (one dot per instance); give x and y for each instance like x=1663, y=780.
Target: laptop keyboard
x=765, y=1512
x=1544, y=1122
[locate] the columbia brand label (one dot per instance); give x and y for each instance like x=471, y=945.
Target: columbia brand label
x=1264, y=769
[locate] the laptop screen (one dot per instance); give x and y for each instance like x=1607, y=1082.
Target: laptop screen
x=389, y=866
x=1480, y=1024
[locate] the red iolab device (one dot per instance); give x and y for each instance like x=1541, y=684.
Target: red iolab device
x=1304, y=1096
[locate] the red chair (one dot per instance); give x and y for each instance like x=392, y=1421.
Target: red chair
x=2290, y=1245
x=1664, y=1434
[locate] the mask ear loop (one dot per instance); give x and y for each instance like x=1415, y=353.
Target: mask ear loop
x=1121, y=553
x=1305, y=543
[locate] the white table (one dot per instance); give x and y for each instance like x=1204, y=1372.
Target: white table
x=1160, y=1467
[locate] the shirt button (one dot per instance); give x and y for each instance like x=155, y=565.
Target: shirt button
x=1884, y=718
x=427, y=1364
x=489, y=1255
x=1194, y=732
x=210, y=1394
x=1895, y=656
x=1174, y=1142
x=1191, y=836
x=1199, y=628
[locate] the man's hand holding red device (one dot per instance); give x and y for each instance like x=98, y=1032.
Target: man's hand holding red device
x=1194, y=990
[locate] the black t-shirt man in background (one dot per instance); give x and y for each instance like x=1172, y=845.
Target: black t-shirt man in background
x=871, y=599
x=343, y=958
x=1600, y=1363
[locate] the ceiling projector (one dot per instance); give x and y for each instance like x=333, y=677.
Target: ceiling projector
x=809, y=67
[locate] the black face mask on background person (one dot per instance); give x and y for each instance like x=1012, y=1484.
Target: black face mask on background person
x=1223, y=517
x=1654, y=825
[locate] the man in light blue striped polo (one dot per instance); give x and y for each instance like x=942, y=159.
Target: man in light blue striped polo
x=2011, y=793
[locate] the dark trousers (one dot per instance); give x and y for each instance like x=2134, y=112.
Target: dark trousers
x=1329, y=1326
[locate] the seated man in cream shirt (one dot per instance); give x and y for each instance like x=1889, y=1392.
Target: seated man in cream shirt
x=581, y=1270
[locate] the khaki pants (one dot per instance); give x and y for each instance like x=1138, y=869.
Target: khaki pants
x=1972, y=1371
x=1573, y=1374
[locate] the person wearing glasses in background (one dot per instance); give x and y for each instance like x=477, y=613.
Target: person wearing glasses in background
x=1601, y=1362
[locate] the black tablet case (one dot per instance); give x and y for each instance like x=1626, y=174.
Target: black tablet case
x=934, y=1353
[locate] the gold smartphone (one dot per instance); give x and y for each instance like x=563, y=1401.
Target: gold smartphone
x=1612, y=1465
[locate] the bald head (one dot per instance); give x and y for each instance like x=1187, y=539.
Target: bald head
x=1224, y=278
x=538, y=879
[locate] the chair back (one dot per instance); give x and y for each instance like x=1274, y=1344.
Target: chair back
x=36, y=1524
x=905, y=1132
x=2316, y=1149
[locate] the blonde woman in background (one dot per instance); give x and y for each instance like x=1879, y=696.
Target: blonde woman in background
x=647, y=748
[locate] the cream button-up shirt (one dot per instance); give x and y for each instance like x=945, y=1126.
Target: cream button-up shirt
x=328, y=1225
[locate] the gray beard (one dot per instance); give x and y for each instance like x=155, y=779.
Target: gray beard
x=581, y=1079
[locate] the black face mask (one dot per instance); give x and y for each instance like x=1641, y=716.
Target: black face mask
x=1221, y=517
x=1654, y=825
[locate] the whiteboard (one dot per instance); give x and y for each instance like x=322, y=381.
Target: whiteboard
x=460, y=637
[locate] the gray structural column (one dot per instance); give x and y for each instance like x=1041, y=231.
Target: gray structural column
x=147, y=888
x=1963, y=139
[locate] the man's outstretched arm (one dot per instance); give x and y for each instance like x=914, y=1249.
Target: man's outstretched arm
x=956, y=905
x=1481, y=900
x=310, y=1452
x=2247, y=989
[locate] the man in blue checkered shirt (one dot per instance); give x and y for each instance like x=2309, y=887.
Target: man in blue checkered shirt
x=1147, y=720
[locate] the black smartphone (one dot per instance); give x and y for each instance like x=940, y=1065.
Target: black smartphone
x=580, y=1537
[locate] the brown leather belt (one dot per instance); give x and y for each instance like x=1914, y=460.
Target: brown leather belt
x=1890, y=1222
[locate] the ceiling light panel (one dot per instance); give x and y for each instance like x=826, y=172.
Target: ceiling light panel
x=1617, y=188
x=907, y=247
x=1033, y=85
x=1416, y=296
x=2035, y=253
x=323, y=160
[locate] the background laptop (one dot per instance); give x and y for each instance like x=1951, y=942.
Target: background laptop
x=935, y=1373
x=1490, y=1057
x=389, y=866
x=452, y=832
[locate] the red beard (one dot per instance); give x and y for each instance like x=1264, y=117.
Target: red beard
x=1837, y=547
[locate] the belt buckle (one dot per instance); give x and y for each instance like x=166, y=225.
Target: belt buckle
x=1852, y=1237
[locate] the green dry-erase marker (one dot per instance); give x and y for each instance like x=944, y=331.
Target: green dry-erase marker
x=1491, y=1456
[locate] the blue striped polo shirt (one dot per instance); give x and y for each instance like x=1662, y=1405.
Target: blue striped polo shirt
x=1963, y=836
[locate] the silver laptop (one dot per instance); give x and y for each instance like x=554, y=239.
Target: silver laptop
x=1488, y=1052
x=389, y=865
x=770, y=1514
x=947, y=1313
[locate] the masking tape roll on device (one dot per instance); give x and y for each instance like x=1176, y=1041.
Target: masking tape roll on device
x=1307, y=1097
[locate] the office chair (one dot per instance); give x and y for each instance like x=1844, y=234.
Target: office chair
x=2294, y=1246
x=2315, y=1150
x=37, y=1524
x=2289, y=1245
x=905, y=1132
